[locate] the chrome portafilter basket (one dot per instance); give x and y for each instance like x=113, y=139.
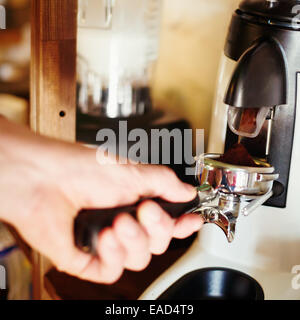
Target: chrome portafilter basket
x=227, y=190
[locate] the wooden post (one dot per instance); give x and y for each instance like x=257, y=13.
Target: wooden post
x=53, y=85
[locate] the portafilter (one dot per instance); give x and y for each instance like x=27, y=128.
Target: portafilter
x=225, y=191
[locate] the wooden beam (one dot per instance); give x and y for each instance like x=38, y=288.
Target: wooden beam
x=20, y=242
x=53, y=68
x=53, y=85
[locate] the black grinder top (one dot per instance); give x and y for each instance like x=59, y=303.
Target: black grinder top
x=274, y=12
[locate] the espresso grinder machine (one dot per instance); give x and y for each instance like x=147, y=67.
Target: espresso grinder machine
x=256, y=207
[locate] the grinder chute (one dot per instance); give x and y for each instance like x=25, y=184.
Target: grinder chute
x=258, y=83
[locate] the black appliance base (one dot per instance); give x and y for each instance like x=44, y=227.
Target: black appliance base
x=214, y=284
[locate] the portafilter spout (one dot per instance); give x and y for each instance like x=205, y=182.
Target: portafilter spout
x=224, y=218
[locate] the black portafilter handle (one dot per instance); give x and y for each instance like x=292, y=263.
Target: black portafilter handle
x=89, y=223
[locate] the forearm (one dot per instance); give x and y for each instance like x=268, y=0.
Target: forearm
x=20, y=171
x=19, y=139
x=21, y=144
x=30, y=164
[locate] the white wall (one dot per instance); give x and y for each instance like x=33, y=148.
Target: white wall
x=192, y=41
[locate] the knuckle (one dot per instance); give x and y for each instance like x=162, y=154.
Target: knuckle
x=140, y=265
x=158, y=252
x=112, y=277
x=63, y=267
x=160, y=249
x=72, y=263
x=167, y=172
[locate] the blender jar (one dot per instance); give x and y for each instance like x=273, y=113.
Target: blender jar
x=118, y=44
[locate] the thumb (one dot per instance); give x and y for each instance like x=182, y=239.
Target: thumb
x=160, y=181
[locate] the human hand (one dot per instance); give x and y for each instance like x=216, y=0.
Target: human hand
x=45, y=183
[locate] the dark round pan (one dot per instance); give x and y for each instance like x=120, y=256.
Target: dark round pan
x=214, y=284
